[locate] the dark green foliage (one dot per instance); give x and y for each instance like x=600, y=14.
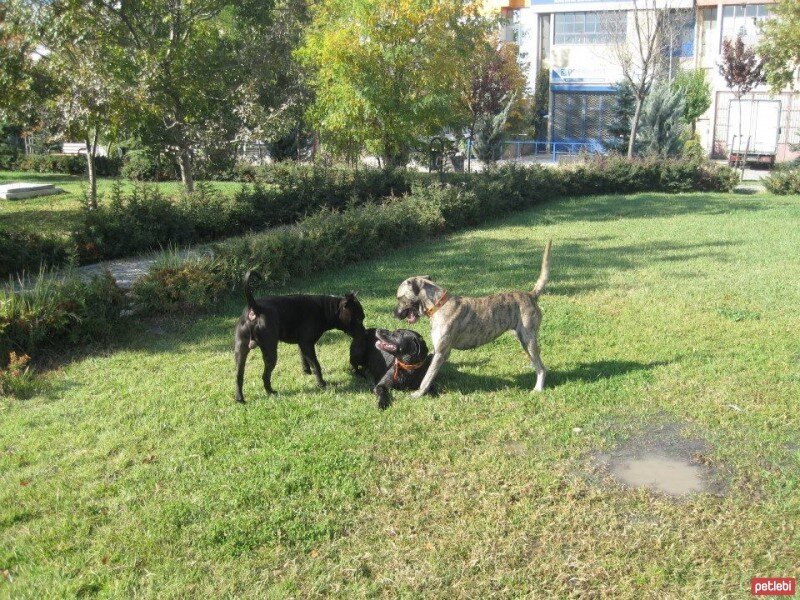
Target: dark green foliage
x=490, y=134
x=662, y=126
x=619, y=129
x=784, y=181
x=23, y=251
x=540, y=105
x=68, y=164
x=286, y=192
x=192, y=285
x=54, y=313
x=143, y=165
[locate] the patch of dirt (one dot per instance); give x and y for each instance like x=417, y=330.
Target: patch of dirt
x=664, y=460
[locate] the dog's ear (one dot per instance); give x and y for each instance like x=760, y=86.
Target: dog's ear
x=351, y=296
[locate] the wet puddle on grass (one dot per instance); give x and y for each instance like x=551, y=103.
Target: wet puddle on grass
x=660, y=473
x=662, y=460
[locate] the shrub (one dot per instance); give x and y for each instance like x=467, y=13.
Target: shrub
x=16, y=378
x=193, y=284
x=783, y=181
x=142, y=220
x=55, y=312
x=330, y=239
x=68, y=164
x=22, y=251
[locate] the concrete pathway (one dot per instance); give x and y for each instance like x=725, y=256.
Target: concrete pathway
x=127, y=270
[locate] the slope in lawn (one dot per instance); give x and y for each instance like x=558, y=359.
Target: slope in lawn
x=135, y=473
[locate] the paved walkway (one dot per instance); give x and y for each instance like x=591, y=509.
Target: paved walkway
x=128, y=270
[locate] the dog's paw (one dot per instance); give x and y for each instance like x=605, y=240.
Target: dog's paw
x=417, y=394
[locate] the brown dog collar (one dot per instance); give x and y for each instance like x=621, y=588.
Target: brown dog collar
x=439, y=303
x=409, y=367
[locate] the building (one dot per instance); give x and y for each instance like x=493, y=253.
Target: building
x=577, y=42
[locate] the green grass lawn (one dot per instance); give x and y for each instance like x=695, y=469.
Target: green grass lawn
x=58, y=215
x=133, y=472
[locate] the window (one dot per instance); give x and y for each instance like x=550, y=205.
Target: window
x=742, y=19
x=589, y=27
x=709, y=44
x=681, y=44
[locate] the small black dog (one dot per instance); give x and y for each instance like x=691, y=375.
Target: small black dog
x=299, y=319
x=397, y=359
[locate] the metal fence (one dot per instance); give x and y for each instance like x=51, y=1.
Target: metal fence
x=518, y=150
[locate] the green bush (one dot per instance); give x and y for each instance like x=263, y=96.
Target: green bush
x=22, y=251
x=68, y=164
x=191, y=285
x=330, y=239
x=784, y=181
x=55, y=312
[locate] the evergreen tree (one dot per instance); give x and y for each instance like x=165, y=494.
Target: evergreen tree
x=619, y=130
x=662, y=126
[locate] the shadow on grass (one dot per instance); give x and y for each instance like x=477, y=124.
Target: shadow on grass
x=646, y=206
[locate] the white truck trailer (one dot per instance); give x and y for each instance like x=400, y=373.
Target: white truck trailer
x=757, y=138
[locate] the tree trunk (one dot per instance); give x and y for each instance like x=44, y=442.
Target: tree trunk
x=185, y=162
x=91, y=149
x=634, y=126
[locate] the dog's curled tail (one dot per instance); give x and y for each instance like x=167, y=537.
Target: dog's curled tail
x=544, y=275
x=248, y=290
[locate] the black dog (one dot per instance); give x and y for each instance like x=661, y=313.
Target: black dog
x=299, y=319
x=397, y=359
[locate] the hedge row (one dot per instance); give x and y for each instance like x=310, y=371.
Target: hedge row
x=145, y=219
x=331, y=239
x=68, y=164
x=74, y=311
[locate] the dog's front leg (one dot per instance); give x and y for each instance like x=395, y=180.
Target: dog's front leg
x=439, y=358
x=382, y=389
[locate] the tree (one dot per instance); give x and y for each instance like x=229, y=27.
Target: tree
x=275, y=93
x=78, y=57
x=388, y=73
x=189, y=73
x=491, y=133
x=24, y=85
x=780, y=44
x=696, y=91
x=495, y=87
x=540, y=105
x=619, y=129
x=662, y=125
x=742, y=70
x=642, y=61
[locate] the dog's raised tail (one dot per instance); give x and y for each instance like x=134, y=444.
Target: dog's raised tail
x=248, y=290
x=544, y=275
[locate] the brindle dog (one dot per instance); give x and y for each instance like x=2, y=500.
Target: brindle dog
x=463, y=323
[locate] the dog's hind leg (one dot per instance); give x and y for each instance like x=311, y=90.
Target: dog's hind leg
x=305, y=364
x=527, y=337
x=240, y=351
x=269, y=351
x=310, y=356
